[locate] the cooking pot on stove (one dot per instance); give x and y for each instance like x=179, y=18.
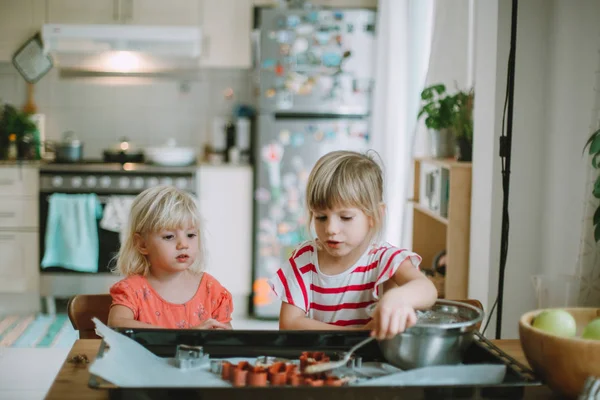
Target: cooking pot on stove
x=69, y=149
x=123, y=152
x=440, y=337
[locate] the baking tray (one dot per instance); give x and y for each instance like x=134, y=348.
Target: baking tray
x=289, y=344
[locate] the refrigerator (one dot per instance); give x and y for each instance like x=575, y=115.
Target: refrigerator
x=314, y=70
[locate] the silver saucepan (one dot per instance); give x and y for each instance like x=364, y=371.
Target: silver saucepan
x=440, y=337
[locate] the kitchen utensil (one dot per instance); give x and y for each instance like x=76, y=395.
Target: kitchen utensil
x=123, y=152
x=30, y=107
x=440, y=337
x=171, y=155
x=70, y=149
x=30, y=60
x=318, y=368
x=563, y=363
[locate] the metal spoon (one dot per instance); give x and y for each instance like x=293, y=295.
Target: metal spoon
x=318, y=368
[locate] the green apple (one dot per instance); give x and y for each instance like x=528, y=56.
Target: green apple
x=592, y=330
x=557, y=322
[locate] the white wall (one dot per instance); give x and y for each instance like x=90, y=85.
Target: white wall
x=575, y=38
x=555, y=63
x=102, y=110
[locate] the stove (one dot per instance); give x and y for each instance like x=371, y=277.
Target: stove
x=519, y=382
x=106, y=180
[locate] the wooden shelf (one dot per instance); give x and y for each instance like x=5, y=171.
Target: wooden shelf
x=433, y=233
x=432, y=214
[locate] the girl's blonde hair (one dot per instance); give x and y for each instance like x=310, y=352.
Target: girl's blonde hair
x=156, y=209
x=346, y=179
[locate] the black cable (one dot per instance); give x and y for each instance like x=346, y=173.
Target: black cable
x=505, y=155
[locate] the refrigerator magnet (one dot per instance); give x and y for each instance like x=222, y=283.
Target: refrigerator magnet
x=312, y=16
x=284, y=49
x=319, y=136
x=268, y=63
x=304, y=29
x=270, y=93
x=293, y=21
x=285, y=100
x=284, y=36
x=300, y=45
x=322, y=37
x=330, y=135
x=297, y=139
x=283, y=228
x=284, y=137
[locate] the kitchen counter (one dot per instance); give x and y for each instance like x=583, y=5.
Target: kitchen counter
x=72, y=379
x=115, y=167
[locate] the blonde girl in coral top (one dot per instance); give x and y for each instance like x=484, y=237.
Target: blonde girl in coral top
x=162, y=259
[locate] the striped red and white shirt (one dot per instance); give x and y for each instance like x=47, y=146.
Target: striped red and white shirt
x=340, y=299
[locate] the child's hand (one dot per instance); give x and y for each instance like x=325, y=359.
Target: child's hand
x=212, y=324
x=389, y=320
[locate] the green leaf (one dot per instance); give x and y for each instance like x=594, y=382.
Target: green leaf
x=597, y=233
x=592, y=137
x=596, y=192
x=595, y=146
x=595, y=161
x=597, y=216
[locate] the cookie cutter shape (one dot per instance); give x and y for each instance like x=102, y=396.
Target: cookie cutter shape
x=187, y=357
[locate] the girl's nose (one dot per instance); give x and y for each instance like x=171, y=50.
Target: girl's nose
x=332, y=226
x=182, y=242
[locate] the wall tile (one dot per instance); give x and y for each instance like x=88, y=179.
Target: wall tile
x=147, y=111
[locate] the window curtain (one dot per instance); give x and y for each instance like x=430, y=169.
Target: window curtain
x=404, y=33
x=588, y=263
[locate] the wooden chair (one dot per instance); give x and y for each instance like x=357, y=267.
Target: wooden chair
x=83, y=307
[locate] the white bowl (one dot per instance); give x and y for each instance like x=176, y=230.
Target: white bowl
x=171, y=156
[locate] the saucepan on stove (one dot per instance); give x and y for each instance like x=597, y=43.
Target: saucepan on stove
x=69, y=149
x=123, y=152
x=440, y=337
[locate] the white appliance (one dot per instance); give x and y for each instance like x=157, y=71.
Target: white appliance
x=123, y=48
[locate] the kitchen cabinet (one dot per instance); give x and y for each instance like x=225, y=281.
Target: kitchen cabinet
x=19, y=262
x=226, y=27
x=225, y=202
x=19, y=20
x=19, y=245
x=139, y=12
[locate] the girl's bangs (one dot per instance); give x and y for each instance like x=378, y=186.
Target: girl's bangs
x=179, y=216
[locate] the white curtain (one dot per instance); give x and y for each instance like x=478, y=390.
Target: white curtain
x=404, y=31
x=588, y=263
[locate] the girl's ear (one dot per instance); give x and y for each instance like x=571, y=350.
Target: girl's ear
x=140, y=244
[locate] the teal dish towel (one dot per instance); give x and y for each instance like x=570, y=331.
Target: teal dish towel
x=72, y=232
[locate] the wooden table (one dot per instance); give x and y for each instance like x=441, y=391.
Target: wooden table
x=72, y=379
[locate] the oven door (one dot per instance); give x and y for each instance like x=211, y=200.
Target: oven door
x=108, y=242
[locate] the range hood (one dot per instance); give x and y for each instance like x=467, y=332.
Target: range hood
x=123, y=49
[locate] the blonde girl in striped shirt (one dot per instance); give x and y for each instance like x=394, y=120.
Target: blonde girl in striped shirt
x=346, y=278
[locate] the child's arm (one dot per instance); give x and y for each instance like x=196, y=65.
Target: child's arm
x=396, y=310
x=293, y=318
x=122, y=317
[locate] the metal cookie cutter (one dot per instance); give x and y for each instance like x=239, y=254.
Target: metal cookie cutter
x=190, y=356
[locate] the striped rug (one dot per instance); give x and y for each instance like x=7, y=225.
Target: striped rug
x=39, y=330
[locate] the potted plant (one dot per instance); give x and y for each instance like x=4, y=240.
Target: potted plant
x=448, y=118
x=463, y=125
x=594, y=151
x=14, y=121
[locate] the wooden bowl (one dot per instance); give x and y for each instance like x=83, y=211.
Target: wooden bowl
x=562, y=363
